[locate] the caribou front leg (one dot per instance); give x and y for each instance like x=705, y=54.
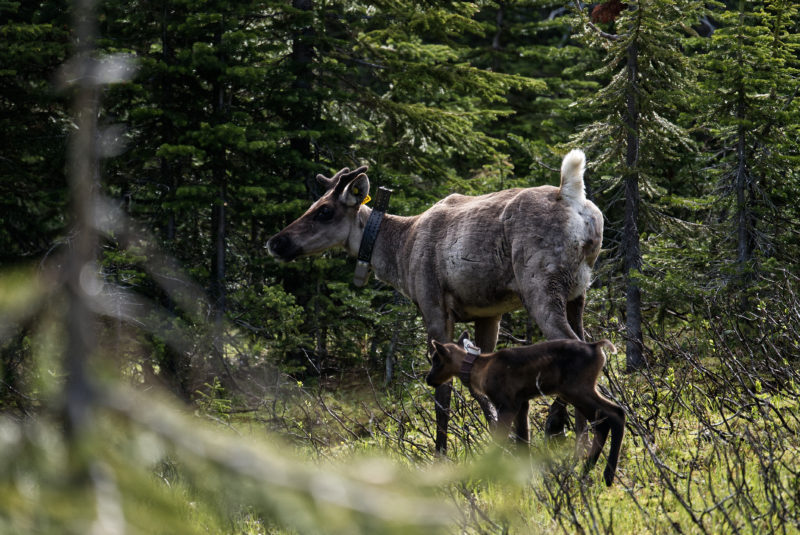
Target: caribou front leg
x=442, y=400
x=440, y=328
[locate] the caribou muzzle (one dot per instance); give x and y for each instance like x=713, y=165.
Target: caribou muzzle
x=283, y=248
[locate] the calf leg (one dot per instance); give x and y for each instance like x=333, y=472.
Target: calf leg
x=522, y=431
x=601, y=429
x=486, y=407
x=556, y=418
x=616, y=419
x=611, y=418
x=556, y=423
x=502, y=428
x=581, y=434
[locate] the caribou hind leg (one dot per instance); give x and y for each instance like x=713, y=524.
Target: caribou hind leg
x=545, y=299
x=575, y=315
x=486, y=330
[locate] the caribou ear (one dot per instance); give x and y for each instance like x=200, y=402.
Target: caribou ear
x=328, y=183
x=356, y=191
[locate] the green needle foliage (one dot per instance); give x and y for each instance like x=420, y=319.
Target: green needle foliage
x=159, y=373
x=34, y=42
x=750, y=83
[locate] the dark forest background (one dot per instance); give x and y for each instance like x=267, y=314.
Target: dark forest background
x=218, y=116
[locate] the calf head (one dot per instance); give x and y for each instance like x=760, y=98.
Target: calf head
x=333, y=220
x=445, y=361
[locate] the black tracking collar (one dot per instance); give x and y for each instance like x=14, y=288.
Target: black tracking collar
x=466, y=365
x=466, y=368
x=370, y=235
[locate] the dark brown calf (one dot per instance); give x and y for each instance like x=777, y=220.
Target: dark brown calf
x=509, y=378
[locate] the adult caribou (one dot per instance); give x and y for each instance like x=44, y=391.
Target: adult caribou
x=468, y=258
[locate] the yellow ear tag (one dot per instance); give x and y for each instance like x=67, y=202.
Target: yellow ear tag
x=366, y=199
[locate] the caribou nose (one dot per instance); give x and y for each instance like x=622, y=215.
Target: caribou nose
x=279, y=245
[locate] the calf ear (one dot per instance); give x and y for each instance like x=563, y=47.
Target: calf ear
x=356, y=191
x=438, y=348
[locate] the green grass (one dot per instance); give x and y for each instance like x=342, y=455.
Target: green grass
x=702, y=454
x=712, y=446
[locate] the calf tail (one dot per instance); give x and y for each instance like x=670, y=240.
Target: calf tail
x=607, y=345
x=598, y=348
x=572, y=168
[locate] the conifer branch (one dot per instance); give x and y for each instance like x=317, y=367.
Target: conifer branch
x=592, y=26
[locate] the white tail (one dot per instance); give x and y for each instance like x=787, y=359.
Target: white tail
x=572, y=168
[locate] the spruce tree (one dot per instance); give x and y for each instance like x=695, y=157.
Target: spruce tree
x=237, y=108
x=750, y=68
x=200, y=144
x=647, y=75
x=533, y=38
x=34, y=42
x=391, y=85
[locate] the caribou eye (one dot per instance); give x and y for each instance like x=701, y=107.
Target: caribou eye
x=325, y=213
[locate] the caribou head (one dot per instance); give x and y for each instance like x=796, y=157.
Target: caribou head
x=334, y=220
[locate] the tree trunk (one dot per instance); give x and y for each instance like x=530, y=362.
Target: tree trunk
x=392, y=350
x=630, y=239
x=218, y=229
x=498, y=34
x=744, y=245
x=390, y=360
x=302, y=113
x=218, y=294
x=12, y=356
x=80, y=269
x=168, y=176
x=175, y=364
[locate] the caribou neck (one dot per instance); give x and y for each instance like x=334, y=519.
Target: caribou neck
x=387, y=255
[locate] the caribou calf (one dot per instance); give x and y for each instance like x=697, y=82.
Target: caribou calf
x=512, y=377
x=467, y=258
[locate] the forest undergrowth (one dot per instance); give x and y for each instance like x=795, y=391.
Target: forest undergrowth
x=711, y=445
